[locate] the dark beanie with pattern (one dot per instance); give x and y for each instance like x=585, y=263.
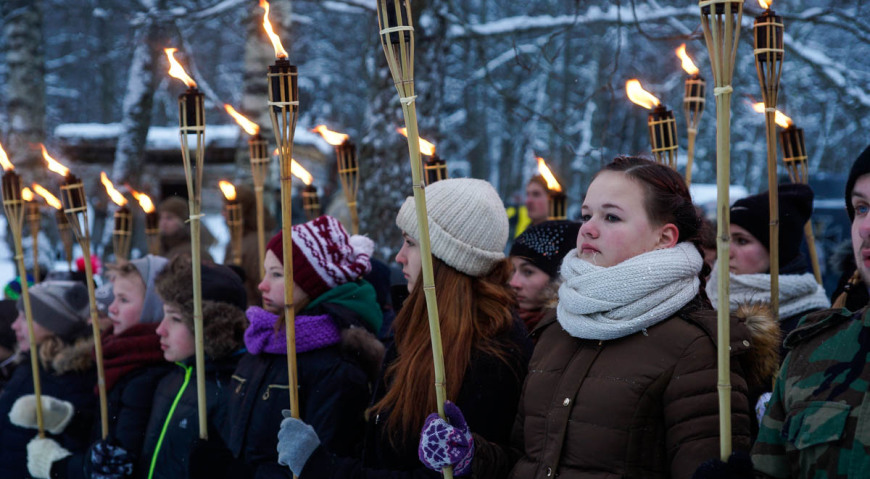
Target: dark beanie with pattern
x=752, y=213
x=860, y=168
x=546, y=244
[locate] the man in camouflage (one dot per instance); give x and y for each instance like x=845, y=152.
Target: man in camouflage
x=818, y=420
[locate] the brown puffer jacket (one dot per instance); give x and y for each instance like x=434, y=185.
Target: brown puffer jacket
x=645, y=405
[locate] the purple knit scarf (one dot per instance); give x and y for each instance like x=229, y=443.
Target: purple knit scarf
x=312, y=332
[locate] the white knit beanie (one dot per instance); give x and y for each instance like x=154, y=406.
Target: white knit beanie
x=468, y=225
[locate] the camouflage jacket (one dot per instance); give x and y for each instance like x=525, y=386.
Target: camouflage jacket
x=818, y=421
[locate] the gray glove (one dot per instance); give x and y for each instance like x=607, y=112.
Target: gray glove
x=296, y=442
x=56, y=413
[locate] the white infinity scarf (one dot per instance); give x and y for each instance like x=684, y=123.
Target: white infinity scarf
x=798, y=293
x=608, y=303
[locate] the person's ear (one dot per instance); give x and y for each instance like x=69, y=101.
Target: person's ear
x=668, y=236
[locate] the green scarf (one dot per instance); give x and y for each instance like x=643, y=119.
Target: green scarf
x=357, y=296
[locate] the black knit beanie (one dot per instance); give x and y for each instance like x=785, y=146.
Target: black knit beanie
x=795, y=208
x=860, y=168
x=546, y=244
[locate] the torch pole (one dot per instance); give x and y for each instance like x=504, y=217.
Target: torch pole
x=773, y=202
x=259, y=159
x=397, y=40
x=33, y=219
x=13, y=204
x=720, y=20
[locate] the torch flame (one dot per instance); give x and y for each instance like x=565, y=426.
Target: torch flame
x=426, y=147
x=4, y=161
x=114, y=194
x=276, y=42
x=53, y=164
x=552, y=184
x=688, y=64
x=176, y=70
x=26, y=194
x=228, y=190
x=49, y=198
x=144, y=200
x=334, y=138
x=249, y=126
x=300, y=172
x=639, y=96
x=779, y=117
x=765, y=4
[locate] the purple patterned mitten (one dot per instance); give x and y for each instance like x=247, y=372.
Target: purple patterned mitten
x=445, y=444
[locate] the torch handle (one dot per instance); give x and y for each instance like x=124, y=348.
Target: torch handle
x=34, y=233
x=690, y=154
x=773, y=201
x=98, y=345
x=814, y=256
x=289, y=310
x=28, y=315
x=261, y=229
x=354, y=218
x=199, y=338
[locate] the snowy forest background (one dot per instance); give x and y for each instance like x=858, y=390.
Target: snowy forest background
x=499, y=82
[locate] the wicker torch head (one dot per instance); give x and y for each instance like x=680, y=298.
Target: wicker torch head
x=694, y=101
x=768, y=54
x=259, y=156
x=12, y=201
x=720, y=20
x=556, y=209
x=122, y=234
x=72, y=195
x=397, y=39
x=310, y=202
x=191, y=111
x=436, y=169
x=152, y=232
x=794, y=153
x=235, y=222
x=284, y=107
x=348, y=170
x=663, y=135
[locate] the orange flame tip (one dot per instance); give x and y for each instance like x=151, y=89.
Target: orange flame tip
x=228, y=190
x=688, y=64
x=144, y=200
x=176, y=70
x=49, y=198
x=249, y=126
x=779, y=117
x=300, y=172
x=276, y=41
x=26, y=194
x=53, y=164
x=114, y=194
x=4, y=160
x=334, y=138
x=552, y=184
x=639, y=96
x=426, y=147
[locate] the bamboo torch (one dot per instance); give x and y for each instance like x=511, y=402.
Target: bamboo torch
x=259, y=157
x=768, y=62
x=348, y=169
x=661, y=122
x=63, y=228
x=152, y=220
x=284, y=109
x=434, y=169
x=75, y=206
x=122, y=233
x=693, y=105
x=397, y=40
x=720, y=20
x=13, y=203
x=310, y=200
x=794, y=155
x=191, y=121
x=235, y=222
x=33, y=219
x=556, y=198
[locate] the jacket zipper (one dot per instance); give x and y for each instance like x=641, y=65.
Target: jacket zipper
x=187, y=370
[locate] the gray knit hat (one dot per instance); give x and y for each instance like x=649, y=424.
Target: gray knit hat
x=61, y=307
x=468, y=225
x=148, y=267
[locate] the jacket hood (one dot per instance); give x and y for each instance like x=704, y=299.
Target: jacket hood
x=77, y=357
x=358, y=297
x=148, y=268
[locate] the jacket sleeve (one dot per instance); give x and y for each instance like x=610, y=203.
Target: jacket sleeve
x=769, y=452
x=691, y=409
x=335, y=406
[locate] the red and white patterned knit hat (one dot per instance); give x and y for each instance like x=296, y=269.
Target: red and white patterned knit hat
x=324, y=255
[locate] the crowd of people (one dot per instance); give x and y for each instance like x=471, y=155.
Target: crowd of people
x=589, y=350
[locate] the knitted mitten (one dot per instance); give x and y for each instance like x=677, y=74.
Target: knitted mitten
x=109, y=461
x=296, y=442
x=56, y=413
x=41, y=454
x=445, y=444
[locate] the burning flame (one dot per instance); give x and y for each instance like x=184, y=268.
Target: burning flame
x=765, y=4
x=47, y=196
x=144, y=200
x=53, y=164
x=276, y=42
x=300, y=172
x=249, y=126
x=552, y=184
x=26, y=194
x=176, y=70
x=779, y=117
x=228, y=190
x=688, y=64
x=4, y=161
x=639, y=96
x=114, y=194
x=334, y=138
x=426, y=147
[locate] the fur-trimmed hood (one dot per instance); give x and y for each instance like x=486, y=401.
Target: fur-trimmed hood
x=61, y=358
x=763, y=360
x=365, y=347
